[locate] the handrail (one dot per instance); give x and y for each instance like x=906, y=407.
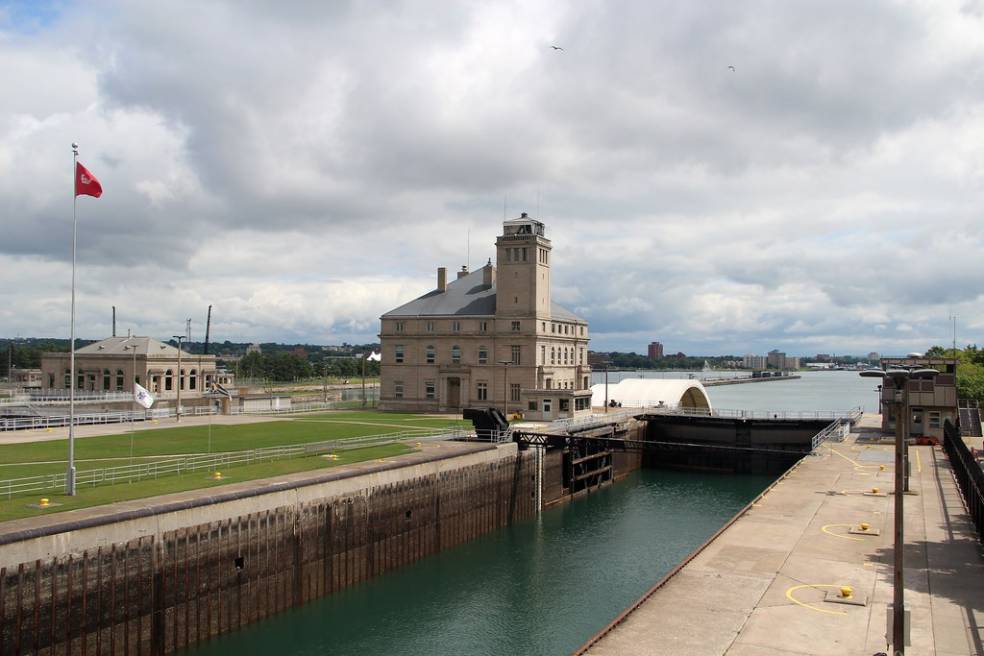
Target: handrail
x=212, y=461
x=852, y=415
x=969, y=475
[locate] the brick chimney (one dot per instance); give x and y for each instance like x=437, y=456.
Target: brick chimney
x=442, y=279
x=488, y=274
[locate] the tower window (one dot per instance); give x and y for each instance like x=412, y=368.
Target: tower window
x=398, y=354
x=515, y=326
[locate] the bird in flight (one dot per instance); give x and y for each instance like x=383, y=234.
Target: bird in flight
x=556, y=47
x=732, y=68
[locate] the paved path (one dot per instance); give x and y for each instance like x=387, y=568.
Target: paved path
x=756, y=588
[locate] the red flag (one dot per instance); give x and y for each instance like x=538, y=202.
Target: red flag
x=86, y=183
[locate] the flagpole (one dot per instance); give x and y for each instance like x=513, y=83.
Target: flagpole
x=70, y=474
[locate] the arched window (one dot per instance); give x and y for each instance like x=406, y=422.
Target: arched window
x=181, y=379
x=553, y=355
x=168, y=381
x=456, y=354
x=193, y=380
x=68, y=378
x=119, y=380
x=429, y=355
x=106, y=381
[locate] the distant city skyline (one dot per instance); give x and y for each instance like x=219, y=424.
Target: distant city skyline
x=824, y=196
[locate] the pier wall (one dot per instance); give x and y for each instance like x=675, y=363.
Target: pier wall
x=164, y=581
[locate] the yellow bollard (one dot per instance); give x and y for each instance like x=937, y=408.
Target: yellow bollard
x=881, y=467
x=217, y=476
x=418, y=445
x=44, y=503
x=846, y=592
x=864, y=526
x=874, y=490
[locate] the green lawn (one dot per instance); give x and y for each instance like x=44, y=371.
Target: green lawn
x=114, y=450
x=18, y=506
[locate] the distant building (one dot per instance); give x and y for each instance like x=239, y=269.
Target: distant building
x=491, y=337
x=751, y=361
x=28, y=379
x=116, y=363
x=823, y=357
x=874, y=356
x=655, y=350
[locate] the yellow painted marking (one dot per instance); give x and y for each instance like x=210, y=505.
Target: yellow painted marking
x=837, y=535
x=918, y=461
x=790, y=591
x=853, y=462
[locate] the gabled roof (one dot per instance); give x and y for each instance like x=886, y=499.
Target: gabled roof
x=124, y=346
x=466, y=296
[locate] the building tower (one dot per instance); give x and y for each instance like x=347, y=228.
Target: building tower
x=523, y=275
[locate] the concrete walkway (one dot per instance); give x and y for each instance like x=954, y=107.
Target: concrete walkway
x=759, y=588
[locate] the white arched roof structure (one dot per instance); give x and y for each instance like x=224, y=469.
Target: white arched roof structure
x=645, y=392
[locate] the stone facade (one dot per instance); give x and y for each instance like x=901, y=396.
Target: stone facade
x=492, y=337
x=116, y=363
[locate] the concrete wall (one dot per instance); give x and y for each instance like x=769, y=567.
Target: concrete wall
x=164, y=581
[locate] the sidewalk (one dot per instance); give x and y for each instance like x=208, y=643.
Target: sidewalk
x=760, y=587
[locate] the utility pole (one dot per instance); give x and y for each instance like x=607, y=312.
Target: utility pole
x=177, y=411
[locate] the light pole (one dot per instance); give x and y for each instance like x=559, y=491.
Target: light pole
x=900, y=378
x=505, y=379
x=177, y=411
x=365, y=357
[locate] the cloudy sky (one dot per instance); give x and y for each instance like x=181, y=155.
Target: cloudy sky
x=304, y=166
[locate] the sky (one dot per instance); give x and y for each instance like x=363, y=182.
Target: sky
x=305, y=167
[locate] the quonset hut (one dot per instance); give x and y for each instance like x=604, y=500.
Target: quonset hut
x=648, y=392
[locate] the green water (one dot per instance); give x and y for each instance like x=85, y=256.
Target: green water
x=541, y=587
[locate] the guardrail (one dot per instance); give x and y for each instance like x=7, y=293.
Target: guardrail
x=57, y=397
x=92, y=418
x=852, y=415
x=210, y=462
x=969, y=475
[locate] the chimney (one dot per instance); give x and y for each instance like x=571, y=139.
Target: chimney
x=442, y=279
x=463, y=272
x=488, y=274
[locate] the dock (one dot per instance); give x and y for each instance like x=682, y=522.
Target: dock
x=769, y=583
x=714, y=382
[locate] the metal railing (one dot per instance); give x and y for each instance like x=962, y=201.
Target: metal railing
x=62, y=396
x=205, y=462
x=93, y=418
x=836, y=431
x=969, y=475
x=851, y=415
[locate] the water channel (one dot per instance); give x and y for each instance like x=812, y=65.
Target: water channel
x=543, y=586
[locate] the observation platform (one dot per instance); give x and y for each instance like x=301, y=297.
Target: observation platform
x=764, y=585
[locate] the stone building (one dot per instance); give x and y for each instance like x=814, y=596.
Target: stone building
x=116, y=363
x=931, y=400
x=491, y=337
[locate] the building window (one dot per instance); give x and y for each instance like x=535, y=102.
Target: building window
x=399, y=326
x=525, y=251
x=582, y=403
x=553, y=327
x=543, y=355
x=585, y=383
x=582, y=356
x=398, y=389
x=483, y=355
x=543, y=326
x=546, y=405
x=514, y=391
x=531, y=406
x=516, y=359
x=456, y=354
x=553, y=355
x=548, y=383
x=934, y=419
x=193, y=379
x=482, y=391
x=582, y=331
x=181, y=380
x=168, y=380
x=429, y=355
x=430, y=390
x=456, y=326
x=68, y=378
x=398, y=354
x=565, y=405
x=106, y=384
x=515, y=300
x=483, y=326
x=430, y=326
x=119, y=380
x=136, y=379
x=515, y=326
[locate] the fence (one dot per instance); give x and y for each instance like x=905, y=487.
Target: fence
x=836, y=431
x=91, y=418
x=969, y=475
x=210, y=462
x=851, y=415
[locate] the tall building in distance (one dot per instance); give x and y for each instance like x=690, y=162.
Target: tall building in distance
x=752, y=361
x=489, y=338
x=655, y=350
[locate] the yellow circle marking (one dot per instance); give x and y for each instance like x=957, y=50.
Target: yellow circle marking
x=790, y=591
x=838, y=535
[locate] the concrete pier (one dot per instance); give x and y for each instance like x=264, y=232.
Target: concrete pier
x=763, y=585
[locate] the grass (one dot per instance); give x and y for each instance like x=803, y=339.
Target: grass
x=21, y=460
x=18, y=507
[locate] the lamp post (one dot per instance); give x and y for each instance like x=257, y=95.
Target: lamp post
x=177, y=411
x=505, y=378
x=365, y=357
x=900, y=379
